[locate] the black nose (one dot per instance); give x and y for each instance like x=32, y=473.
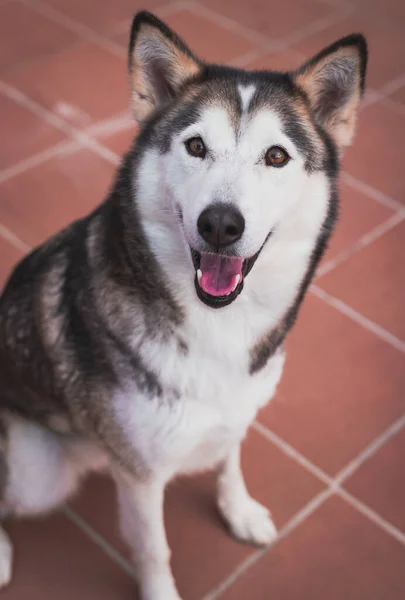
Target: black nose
x=221, y=225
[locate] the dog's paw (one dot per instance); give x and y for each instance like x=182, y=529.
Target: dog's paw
x=6, y=559
x=251, y=522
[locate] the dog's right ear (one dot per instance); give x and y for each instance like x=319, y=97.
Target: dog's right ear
x=159, y=64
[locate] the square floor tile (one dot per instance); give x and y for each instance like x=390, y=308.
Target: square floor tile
x=358, y=215
x=272, y=18
x=207, y=39
x=42, y=200
x=103, y=15
x=376, y=156
x=54, y=559
x=335, y=554
x=25, y=34
x=82, y=83
x=386, y=46
x=372, y=281
x=23, y=133
x=196, y=535
x=380, y=482
x=9, y=256
x=341, y=387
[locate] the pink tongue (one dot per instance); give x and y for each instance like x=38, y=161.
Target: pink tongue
x=219, y=273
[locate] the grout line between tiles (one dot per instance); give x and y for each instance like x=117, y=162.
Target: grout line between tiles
x=163, y=11
x=393, y=105
x=371, y=514
x=333, y=488
x=370, y=450
x=37, y=159
x=13, y=239
x=292, y=524
x=393, y=85
x=52, y=119
x=358, y=318
x=291, y=452
x=80, y=29
x=227, y=23
x=114, y=124
x=366, y=240
x=347, y=471
x=317, y=26
x=100, y=541
x=370, y=191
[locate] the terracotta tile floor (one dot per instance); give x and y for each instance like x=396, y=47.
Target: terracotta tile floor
x=327, y=455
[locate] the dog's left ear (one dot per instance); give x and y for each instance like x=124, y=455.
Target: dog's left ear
x=159, y=64
x=334, y=82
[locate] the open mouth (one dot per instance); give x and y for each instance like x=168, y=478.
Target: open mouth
x=220, y=278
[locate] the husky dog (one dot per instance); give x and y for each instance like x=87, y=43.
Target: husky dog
x=145, y=337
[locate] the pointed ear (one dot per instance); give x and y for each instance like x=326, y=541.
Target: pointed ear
x=334, y=82
x=159, y=64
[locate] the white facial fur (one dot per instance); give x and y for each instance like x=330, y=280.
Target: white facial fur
x=234, y=171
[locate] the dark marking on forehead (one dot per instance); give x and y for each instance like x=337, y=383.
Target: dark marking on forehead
x=159, y=130
x=220, y=86
x=224, y=94
x=279, y=95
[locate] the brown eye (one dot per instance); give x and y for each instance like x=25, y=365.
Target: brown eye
x=196, y=147
x=276, y=157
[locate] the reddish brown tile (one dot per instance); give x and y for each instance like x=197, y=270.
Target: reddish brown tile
x=399, y=95
x=387, y=58
x=336, y=553
x=386, y=10
x=329, y=403
x=209, y=41
x=9, y=255
x=385, y=129
x=105, y=14
x=82, y=83
x=195, y=533
x=380, y=483
x=372, y=281
x=24, y=35
x=120, y=141
x=54, y=559
x=271, y=18
x=284, y=60
x=23, y=133
x=358, y=216
x=42, y=200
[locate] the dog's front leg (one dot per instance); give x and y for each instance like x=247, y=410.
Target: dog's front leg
x=248, y=520
x=142, y=527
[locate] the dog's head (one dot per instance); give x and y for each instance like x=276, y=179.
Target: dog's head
x=233, y=153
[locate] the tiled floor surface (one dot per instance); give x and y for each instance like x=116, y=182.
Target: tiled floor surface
x=328, y=454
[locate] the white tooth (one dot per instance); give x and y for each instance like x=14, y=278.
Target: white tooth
x=199, y=275
x=236, y=282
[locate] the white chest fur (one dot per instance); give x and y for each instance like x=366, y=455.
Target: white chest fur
x=215, y=398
